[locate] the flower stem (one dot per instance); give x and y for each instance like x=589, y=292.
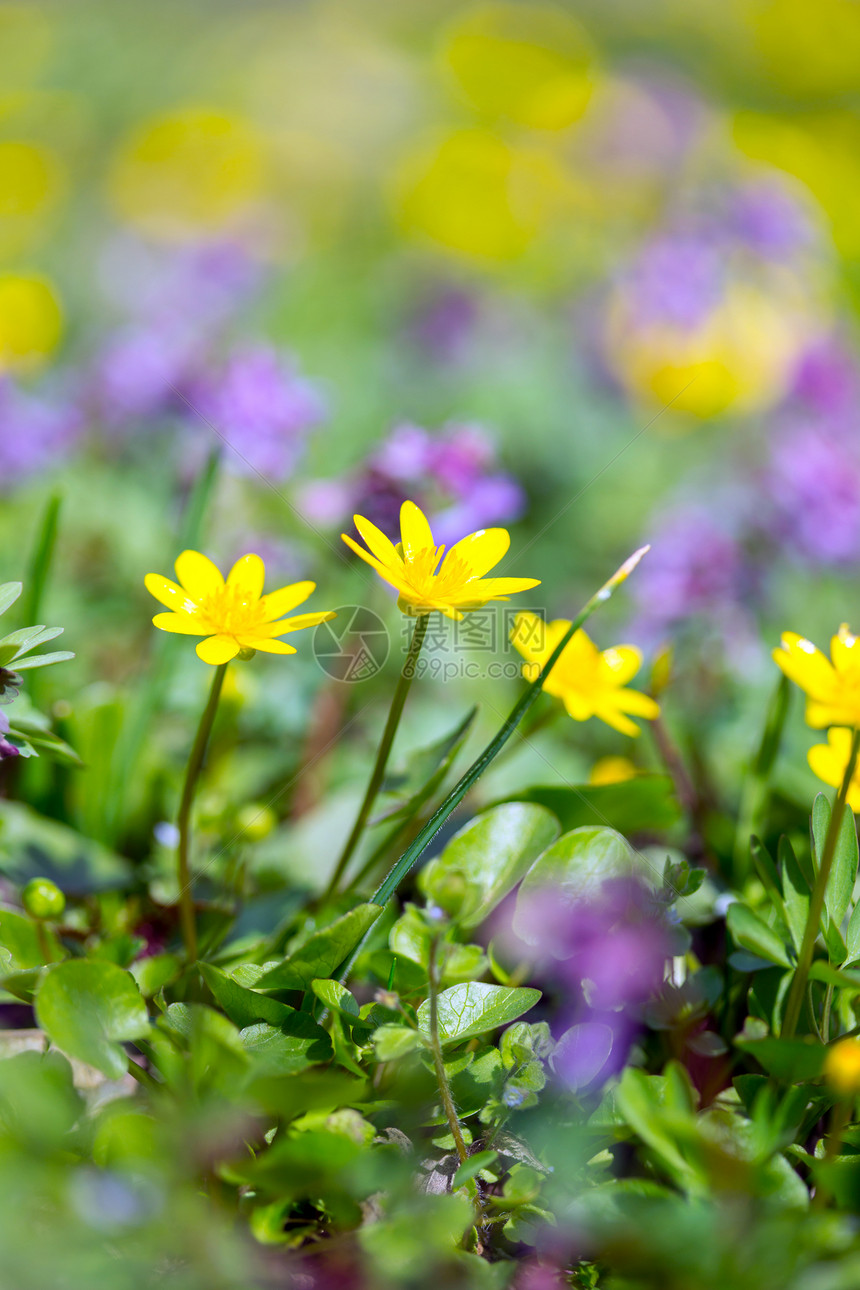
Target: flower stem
x=438, y=1059
x=501, y=737
x=192, y=774
x=404, y=681
x=797, y=991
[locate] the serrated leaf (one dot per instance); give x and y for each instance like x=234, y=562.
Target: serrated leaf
x=89, y=1009
x=492, y=853
x=322, y=952
x=750, y=933
x=475, y=1008
x=242, y=1006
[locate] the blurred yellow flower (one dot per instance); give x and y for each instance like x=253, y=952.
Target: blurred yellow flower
x=832, y=686
x=589, y=682
x=191, y=170
x=740, y=358
x=30, y=183
x=804, y=48
x=413, y=567
x=527, y=63
x=30, y=321
x=612, y=770
x=842, y=1066
x=234, y=614
x=476, y=194
x=830, y=761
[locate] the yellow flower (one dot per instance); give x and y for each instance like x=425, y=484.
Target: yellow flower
x=829, y=762
x=233, y=615
x=413, y=566
x=832, y=688
x=612, y=770
x=589, y=683
x=30, y=321
x=842, y=1067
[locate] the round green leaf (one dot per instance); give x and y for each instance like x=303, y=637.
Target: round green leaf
x=88, y=1009
x=475, y=1007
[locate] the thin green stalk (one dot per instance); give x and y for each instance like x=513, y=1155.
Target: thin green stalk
x=754, y=790
x=796, y=993
x=404, y=682
x=501, y=737
x=438, y=1059
x=839, y=1118
x=40, y=561
x=473, y=774
x=192, y=774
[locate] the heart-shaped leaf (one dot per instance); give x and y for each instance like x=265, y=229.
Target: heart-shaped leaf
x=474, y=1007
x=88, y=1009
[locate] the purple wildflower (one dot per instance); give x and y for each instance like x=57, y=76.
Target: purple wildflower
x=261, y=407
x=36, y=432
x=768, y=219
x=7, y=749
x=827, y=379
x=814, y=483
x=443, y=325
x=137, y=374
x=677, y=279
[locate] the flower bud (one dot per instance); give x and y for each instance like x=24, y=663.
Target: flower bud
x=43, y=899
x=256, y=821
x=842, y=1067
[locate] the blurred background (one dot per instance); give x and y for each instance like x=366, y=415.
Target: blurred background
x=588, y=271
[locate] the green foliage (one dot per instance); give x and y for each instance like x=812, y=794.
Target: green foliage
x=88, y=1009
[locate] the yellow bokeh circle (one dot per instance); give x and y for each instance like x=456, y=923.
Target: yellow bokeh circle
x=530, y=64
x=188, y=171
x=30, y=321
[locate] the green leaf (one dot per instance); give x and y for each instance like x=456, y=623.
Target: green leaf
x=852, y=934
x=286, y=1049
x=750, y=933
x=844, y=978
x=469, y=1168
x=641, y=1099
x=43, y=660
x=34, y=846
x=336, y=997
x=843, y=875
x=788, y=1059
x=241, y=1005
x=474, y=1008
x=88, y=1009
x=491, y=854
x=795, y=890
x=20, y=937
x=393, y=1041
x=645, y=804
x=9, y=593
x=322, y=952
x=573, y=867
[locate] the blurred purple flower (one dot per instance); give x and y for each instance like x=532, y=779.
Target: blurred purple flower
x=696, y=568
x=827, y=379
x=137, y=373
x=814, y=483
x=36, y=432
x=7, y=749
x=770, y=220
x=677, y=279
x=443, y=324
x=451, y=474
x=263, y=409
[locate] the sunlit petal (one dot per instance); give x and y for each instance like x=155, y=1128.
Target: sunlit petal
x=268, y=646
x=218, y=649
x=247, y=577
x=169, y=594
x=198, y=575
x=280, y=602
x=621, y=663
x=415, y=530
x=182, y=624
x=377, y=543
x=480, y=551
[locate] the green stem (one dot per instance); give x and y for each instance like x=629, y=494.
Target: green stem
x=797, y=991
x=501, y=737
x=839, y=1117
x=438, y=1059
x=404, y=681
x=192, y=774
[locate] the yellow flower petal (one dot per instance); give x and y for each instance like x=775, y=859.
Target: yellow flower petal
x=247, y=577
x=845, y=650
x=218, y=649
x=386, y=574
x=183, y=624
x=639, y=704
x=169, y=594
x=280, y=602
x=577, y=705
x=480, y=551
x=804, y=664
x=620, y=664
x=617, y=720
x=826, y=764
x=268, y=646
x=378, y=544
x=198, y=575
x=284, y=625
x=483, y=589
x=415, y=531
